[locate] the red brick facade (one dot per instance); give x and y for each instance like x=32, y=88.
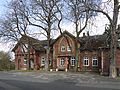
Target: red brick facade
x=62, y=56
x=90, y=55
x=69, y=44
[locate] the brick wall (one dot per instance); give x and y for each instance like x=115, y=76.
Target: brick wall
x=58, y=54
x=90, y=55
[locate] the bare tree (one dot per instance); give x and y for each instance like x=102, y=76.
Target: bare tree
x=113, y=20
x=79, y=18
x=45, y=14
x=14, y=25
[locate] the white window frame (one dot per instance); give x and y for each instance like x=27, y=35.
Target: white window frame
x=63, y=48
x=86, y=59
x=119, y=42
x=72, y=61
x=25, y=61
x=68, y=48
x=94, y=59
x=43, y=60
x=62, y=61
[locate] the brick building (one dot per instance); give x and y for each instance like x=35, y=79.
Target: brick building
x=93, y=53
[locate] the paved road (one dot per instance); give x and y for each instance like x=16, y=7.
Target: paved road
x=56, y=85
x=55, y=81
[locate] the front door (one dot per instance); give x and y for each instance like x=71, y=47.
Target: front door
x=32, y=64
x=64, y=63
x=19, y=66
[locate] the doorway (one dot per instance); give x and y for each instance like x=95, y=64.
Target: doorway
x=31, y=64
x=19, y=64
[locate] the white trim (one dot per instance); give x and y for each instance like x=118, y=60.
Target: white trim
x=94, y=59
x=85, y=59
x=72, y=61
x=42, y=61
x=69, y=48
x=25, y=61
x=62, y=61
x=63, y=48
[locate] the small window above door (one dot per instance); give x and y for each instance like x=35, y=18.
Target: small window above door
x=63, y=48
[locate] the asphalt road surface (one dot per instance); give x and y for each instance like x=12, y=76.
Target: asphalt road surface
x=10, y=81
x=56, y=85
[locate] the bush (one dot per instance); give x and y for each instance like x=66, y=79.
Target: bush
x=5, y=63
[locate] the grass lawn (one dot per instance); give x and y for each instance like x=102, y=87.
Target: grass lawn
x=118, y=78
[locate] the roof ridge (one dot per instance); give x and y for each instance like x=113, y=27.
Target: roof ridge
x=29, y=37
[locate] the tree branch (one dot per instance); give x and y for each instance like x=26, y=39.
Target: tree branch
x=104, y=13
x=35, y=24
x=84, y=25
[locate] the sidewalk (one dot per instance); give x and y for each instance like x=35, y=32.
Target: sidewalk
x=78, y=76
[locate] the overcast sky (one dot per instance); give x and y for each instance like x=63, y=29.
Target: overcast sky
x=2, y=6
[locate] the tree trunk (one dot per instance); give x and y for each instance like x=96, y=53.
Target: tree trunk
x=28, y=61
x=77, y=53
x=113, y=70
x=47, y=59
x=47, y=52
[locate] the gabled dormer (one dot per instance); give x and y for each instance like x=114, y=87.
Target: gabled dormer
x=64, y=45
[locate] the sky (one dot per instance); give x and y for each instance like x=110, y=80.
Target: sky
x=2, y=6
x=3, y=46
x=96, y=27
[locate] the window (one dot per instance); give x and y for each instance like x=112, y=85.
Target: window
x=85, y=61
x=68, y=48
x=42, y=61
x=63, y=48
x=72, y=61
x=62, y=61
x=119, y=42
x=95, y=61
x=25, y=61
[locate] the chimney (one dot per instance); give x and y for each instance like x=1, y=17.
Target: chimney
x=83, y=34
